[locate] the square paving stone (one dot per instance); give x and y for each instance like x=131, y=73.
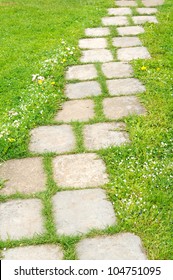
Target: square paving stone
x=130, y=30
x=122, y=246
x=146, y=11
x=81, y=72
x=125, y=86
x=126, y=3
x=79, y=170
x=152, y=3
x=22, y=175
x=37, y=252
x=117, y=70
x=118, y=107
x=128, y=54
x=99, y=55
x=117, y=20
x=76, y=110
x=57, y=138
x=82, y=89
x=119, y=11
x=104, y=135
x=122, y=42
x=21, y=218
x=97, y=32
x=144, y=19
x=93, y=43
x=77, y=212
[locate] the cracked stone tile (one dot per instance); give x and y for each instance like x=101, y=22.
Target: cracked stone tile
x=23, y=175
x=128, y=54
x=93, y=43
x=126, y=3
x=119, y=11
x=144, y=19
x=152, y=3
x=82, y=89
x=56, y=138
x=117, y=20
x=79, y=170
x=122, y=246
x=37, y=252
x=81, y=72
x=79, y=211
x=21, y=219
x=130, y=30
x=99, y=55
x=122, y=42
x=103, y=135
x=146, y=11
x=117, y=70
x=127, y=86
x=118, y=107
x=76, y=110
x=97, y=32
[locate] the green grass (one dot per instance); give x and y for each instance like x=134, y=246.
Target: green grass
x=140, y=173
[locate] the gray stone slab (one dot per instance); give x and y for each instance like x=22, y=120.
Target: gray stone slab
x=77, y=212
x=119, y=11
x=117, y=70
x=128, y=54
x=97, y=32
x=123, y=42
x=118, y=107
x=76, y=110
x=20, y=218
x=99, y=55
x=103, y=135
x=117, y=20
x=22, y=175
x=130, y=30
x=81, y=72
x=152, y=3
x=37, y=252
x=144, y=19
x=82, y=89
x=125, y=86
x=57, y=138
x=93, y=43
x=79, y=170
x=126, y=3
x=146, y=11
x=122, y=246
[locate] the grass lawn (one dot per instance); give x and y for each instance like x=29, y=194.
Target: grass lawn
x=41, y=37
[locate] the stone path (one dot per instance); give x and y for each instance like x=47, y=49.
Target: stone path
x=77, y=211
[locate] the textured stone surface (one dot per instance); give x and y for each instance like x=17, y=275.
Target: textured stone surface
x=126, y=3
x=119, y=11
x=117, y=70
x=79, y=170
x=100, y=55
x=144, y=19
x=77, y=212
x=122, y=42
x=20, y=218
x=83, y=89
x=76, y=110
x=97, y=32
x=146, y=11
x=81, y=72
x=130, y=30
x=118, y=107
x=22, y=175
x=128, y=54
x=57, y=138
x=152, y=3
x=103, y=135
x=123, y=246
x=93, y=43
x=125, y=86
x=117, y=20
x=37, y=252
